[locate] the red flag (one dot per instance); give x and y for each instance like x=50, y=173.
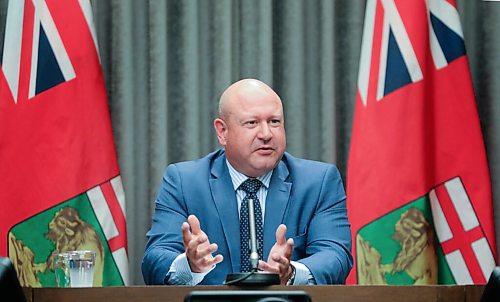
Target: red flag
x=418, y=176
x=61, y=188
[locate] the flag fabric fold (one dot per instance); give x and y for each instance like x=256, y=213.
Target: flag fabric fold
x=60, y=188
x=418, y=185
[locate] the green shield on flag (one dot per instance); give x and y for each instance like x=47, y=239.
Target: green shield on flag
x=70, y=225
x=400, y=248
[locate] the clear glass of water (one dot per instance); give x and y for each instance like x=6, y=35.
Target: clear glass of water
x=61, y=269
x=81, y=268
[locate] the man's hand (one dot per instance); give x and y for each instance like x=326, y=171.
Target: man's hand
x=198, y=248
x=279, y=256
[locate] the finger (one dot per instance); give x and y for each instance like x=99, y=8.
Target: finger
x=279, y=259
x=283, y=265
x=204, y=263
x=212, y=248
x=280, y=234
x=286, y=271
x=289, y=249
x=194, y=223
x=196, y=242
x=186, y=234
x=267, y=268
x=215, y=260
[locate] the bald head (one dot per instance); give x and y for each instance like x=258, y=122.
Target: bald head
x=247, y=89
x=251, y=127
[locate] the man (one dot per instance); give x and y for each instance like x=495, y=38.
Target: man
x=297, y=199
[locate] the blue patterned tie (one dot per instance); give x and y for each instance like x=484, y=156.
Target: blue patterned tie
x=250, y=186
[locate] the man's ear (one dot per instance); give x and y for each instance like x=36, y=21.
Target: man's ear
x=221, y=129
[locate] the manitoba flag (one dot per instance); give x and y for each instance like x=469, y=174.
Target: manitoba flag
x=418, y=186
x=60, y=188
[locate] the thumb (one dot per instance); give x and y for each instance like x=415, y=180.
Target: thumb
x=280, y=234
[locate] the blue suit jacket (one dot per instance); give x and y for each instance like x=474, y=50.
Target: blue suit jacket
x=307, y=196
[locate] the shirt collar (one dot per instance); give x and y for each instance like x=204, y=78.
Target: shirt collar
x=238, y=178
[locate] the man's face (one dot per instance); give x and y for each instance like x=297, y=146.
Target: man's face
x=253, y=133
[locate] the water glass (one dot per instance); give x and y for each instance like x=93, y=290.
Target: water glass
x=75, y=268
x=61, y=269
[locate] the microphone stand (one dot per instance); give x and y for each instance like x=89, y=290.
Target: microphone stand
x=253, y=277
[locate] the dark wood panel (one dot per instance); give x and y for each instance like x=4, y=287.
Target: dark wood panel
x=473, y=293
x=337, y=293
x=28, y=294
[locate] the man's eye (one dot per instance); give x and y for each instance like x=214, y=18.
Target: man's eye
x=250, y=123
x=275, y=122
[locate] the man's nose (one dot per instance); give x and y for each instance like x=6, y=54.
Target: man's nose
x=265, y=132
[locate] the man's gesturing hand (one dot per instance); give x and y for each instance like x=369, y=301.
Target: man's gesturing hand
x=279, y=256
x=198, y=248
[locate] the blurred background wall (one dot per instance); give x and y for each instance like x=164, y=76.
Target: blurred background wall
x=167, y=62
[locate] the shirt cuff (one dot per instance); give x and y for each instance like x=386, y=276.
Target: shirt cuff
x=303, y=275
x=180, y=273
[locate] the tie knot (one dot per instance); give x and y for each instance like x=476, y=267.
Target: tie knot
x=251, y=185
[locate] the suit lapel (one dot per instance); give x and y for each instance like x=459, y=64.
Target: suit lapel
x=224, y=198
x=276, y=203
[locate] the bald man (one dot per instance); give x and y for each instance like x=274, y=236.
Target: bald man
x=202, y=205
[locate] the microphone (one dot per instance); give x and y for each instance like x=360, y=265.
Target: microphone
x=254, y=254
x=253, y=277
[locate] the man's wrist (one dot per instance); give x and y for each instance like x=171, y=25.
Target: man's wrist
x=292, y=276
